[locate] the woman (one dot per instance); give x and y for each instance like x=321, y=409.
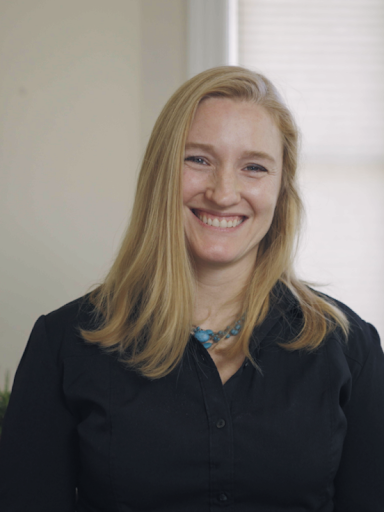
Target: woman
x=202, y=374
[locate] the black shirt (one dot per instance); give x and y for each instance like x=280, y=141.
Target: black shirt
x=303, y=433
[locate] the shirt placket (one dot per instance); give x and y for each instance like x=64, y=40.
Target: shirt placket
x=221, y=442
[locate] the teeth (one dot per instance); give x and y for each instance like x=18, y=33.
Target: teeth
x=220, y=223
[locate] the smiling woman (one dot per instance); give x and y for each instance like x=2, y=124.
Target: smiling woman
x=202, y=372
x=232, y=177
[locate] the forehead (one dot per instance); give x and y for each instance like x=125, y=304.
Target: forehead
x=235, y=123
x=213, y=110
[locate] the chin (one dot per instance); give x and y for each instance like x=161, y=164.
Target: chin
x=216, y=258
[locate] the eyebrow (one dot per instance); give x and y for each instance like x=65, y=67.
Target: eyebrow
x=247, y=154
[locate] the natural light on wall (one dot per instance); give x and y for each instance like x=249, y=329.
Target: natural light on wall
x=327, y=58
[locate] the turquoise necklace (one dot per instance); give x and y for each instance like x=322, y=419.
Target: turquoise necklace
x=207, y=337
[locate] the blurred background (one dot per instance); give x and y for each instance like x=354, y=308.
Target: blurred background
x=81, y=84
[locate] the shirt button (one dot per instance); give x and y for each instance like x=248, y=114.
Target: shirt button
x=223, y=497
x=220, y=423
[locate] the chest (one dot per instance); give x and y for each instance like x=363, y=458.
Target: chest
x=225, y=365
x=185, y=442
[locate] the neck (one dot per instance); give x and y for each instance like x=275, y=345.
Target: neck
x=218, y=295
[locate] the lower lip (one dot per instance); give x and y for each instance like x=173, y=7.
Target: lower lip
x=218, y=228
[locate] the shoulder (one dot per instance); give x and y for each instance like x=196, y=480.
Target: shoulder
x=61, y=328
x=77, y=312
x=360, y=349
x=363, y=338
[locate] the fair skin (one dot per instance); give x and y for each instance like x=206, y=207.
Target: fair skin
x=231, y=182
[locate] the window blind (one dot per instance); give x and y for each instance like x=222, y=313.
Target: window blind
x=327, y=57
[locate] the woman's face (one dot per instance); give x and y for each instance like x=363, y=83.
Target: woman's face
x=231, y=181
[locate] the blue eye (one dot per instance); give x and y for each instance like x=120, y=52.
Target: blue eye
x=256, y=168
x=197, y=159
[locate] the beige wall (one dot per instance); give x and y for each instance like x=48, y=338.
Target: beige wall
x=81, y=82
x=163, y=56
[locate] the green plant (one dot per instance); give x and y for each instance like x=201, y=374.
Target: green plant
x=4, y=399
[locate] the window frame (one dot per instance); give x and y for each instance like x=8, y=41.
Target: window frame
x=212, y=34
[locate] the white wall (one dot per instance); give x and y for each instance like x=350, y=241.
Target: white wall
x=77, y=98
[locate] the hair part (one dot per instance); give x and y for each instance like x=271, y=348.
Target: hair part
x=147, y=300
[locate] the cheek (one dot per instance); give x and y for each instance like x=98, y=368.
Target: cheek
x=264, y=199
x=192, y=185
x=272, y=191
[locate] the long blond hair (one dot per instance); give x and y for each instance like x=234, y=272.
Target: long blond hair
x=147, y=299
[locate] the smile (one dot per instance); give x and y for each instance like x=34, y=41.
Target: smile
x=230, y=221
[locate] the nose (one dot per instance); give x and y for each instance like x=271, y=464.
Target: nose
x=224, y=188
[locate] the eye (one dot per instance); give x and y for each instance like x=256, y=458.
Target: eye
x=255, y=168
x=196, y=159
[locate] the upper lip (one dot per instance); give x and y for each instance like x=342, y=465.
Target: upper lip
x=218, y=214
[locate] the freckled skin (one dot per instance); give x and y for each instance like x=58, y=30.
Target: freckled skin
x=233, y=166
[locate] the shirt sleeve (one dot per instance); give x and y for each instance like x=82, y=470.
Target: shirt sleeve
x=38, y=445
x=359, y=485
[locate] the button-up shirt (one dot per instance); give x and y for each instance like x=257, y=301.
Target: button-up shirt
x=302, y=432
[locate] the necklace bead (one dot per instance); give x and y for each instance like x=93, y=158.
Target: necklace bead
x=207, y=337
